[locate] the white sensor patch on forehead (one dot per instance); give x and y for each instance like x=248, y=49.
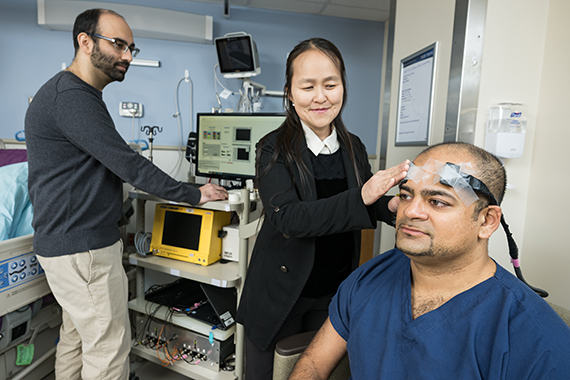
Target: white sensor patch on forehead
x=434, y=171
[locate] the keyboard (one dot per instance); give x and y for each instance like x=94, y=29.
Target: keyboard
x=198, y=185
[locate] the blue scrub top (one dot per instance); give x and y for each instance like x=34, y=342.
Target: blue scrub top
x=499, y=329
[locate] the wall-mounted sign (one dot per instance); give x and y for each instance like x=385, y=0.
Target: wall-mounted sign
x=415, y=100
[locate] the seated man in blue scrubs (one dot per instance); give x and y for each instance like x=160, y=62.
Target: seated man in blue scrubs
x=437, y=306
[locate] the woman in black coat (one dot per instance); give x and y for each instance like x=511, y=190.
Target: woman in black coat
x=318, y=193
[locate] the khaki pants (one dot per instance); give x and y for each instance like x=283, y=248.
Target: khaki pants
x=91, y=288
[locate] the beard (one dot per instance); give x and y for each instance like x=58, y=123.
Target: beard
x=429, y=252
x=108, y=65
x=411, y=249
x=414, y=250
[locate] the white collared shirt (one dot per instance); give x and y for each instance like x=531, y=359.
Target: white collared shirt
x=327, y=146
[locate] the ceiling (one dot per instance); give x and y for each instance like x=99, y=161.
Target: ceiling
x=370, y=10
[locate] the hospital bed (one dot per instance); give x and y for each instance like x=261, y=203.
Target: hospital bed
x=29, y=316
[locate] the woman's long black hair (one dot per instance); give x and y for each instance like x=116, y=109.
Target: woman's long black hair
x=290, y=133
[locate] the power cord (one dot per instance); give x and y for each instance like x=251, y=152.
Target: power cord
x=216, y=82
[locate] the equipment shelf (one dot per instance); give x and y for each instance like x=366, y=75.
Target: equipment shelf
x=143, y=306
x=193, y=372
x=217, y=274
x=231, y=274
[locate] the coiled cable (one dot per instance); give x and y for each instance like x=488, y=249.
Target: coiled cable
x=142, y=243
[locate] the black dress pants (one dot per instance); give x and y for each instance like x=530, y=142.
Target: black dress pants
x=308, y=314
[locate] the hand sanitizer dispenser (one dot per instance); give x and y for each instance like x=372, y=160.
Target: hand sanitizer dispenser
x=506, y=129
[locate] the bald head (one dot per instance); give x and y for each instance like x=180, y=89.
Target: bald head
x=488, y=168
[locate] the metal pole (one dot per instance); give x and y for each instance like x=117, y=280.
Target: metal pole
x=242, y=271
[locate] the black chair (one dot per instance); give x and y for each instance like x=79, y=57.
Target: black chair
x=289, y=349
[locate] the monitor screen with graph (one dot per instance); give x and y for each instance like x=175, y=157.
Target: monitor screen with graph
x=226, y=143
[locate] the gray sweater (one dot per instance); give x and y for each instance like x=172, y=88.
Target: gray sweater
x=77, y=163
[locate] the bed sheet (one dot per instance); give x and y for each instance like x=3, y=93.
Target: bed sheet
x=15, y=207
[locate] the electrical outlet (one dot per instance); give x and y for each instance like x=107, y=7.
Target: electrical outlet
x=130, y=109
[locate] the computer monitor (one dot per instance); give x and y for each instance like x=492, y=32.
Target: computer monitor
x=226, y=143
x=237, y=55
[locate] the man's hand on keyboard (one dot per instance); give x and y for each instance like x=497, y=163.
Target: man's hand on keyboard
x=211, y=192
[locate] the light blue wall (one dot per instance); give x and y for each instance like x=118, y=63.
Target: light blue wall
x=30, y=55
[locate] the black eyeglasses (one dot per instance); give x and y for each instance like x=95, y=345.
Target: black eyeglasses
x=120, y=45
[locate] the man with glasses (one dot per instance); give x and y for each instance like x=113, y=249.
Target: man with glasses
x=438, y=306
x=77, y=164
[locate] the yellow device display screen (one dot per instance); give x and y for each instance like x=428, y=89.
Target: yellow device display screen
x=188, y=234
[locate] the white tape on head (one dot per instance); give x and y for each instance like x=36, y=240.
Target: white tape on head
x=434, y=171
x=428, y=173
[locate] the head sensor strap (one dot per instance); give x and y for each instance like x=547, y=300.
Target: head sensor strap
x=465, y=185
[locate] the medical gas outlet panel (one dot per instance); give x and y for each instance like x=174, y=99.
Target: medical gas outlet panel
x=18, y=270
x=130, y=109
